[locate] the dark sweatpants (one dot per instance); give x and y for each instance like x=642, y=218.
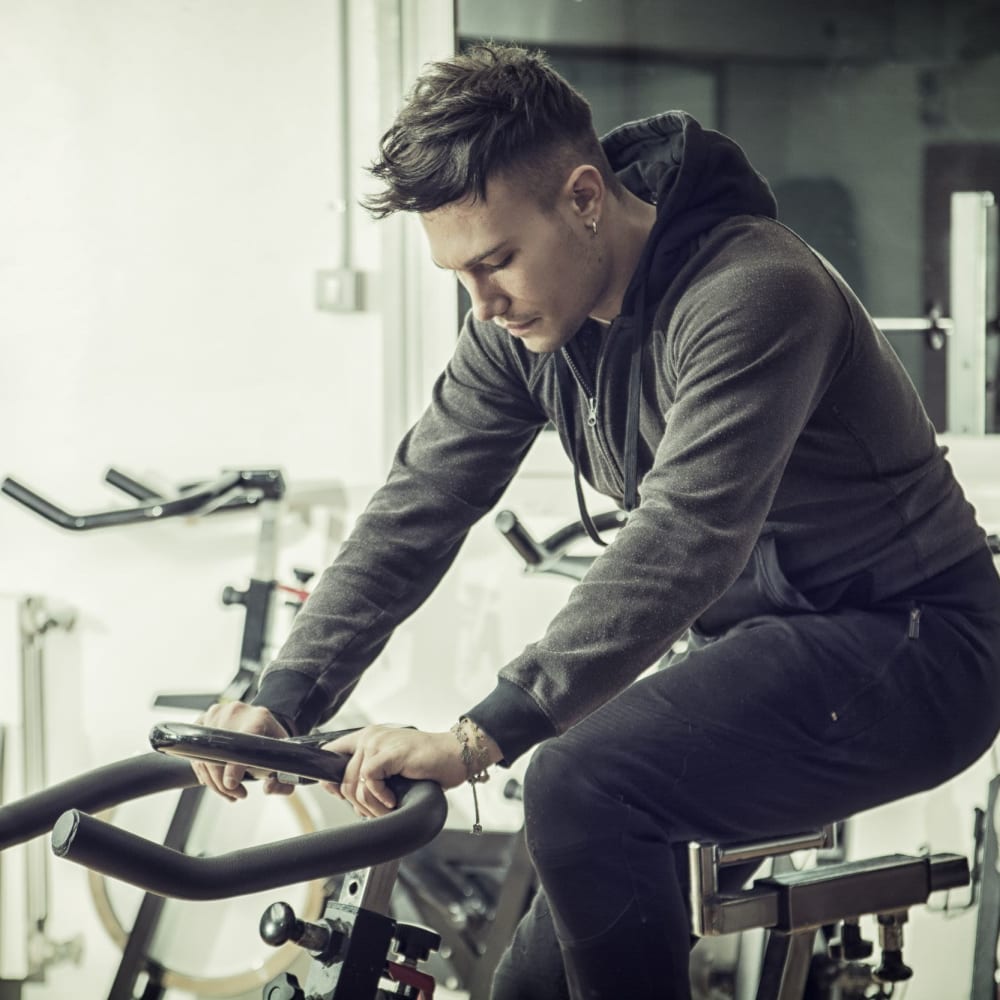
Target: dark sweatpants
x=781, y=723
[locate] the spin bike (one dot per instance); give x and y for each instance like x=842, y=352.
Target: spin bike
x=359, y=951
x=261, y=491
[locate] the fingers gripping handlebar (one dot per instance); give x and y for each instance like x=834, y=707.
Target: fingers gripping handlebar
x=98, y=845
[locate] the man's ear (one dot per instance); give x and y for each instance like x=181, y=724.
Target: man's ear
x=585, y=187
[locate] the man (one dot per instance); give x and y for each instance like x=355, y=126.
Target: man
x=789, y=505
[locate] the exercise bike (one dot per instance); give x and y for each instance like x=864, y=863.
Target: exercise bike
x=359, y=951
x=793, y=909
x=262, y=493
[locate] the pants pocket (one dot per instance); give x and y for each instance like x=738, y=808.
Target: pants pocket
x=861, y=693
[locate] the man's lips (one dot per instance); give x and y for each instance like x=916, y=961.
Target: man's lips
x=519, y=329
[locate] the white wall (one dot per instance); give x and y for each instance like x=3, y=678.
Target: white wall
x=172, y=177
x=167, y=188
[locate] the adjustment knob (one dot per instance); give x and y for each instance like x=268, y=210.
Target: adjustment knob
x=415, y=943
x=513, y=790
x=850, y=946
x=279, y=924
x=892, y=969
x=233, y=596
x=890, y=932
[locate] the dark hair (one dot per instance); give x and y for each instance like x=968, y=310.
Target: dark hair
x=495, y=109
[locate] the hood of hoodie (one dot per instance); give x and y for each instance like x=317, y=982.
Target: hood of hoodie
x=696, y=177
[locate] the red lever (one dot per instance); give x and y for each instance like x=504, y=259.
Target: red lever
x=399, y=973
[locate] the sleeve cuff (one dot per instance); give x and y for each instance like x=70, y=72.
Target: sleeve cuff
x=294, y=699
x=512, y=717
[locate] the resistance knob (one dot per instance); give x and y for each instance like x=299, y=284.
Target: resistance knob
x=279, y=925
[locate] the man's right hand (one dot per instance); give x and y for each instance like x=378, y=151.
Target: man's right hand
x=237, y=716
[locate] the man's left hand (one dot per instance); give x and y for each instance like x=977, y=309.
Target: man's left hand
x=380, y=752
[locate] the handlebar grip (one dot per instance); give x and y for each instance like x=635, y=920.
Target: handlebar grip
x=520, y=538
x=45, y=508
x=131, y=486
x=99, y=789
x=290, y=758
x=416, y=820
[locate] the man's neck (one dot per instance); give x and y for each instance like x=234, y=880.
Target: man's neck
x=629, y=232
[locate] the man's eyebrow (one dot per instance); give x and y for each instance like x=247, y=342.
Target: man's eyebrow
x=478, y=259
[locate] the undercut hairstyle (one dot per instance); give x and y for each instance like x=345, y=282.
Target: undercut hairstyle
x=493, y=110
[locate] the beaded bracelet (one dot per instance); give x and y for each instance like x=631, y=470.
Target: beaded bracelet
x=476, y=758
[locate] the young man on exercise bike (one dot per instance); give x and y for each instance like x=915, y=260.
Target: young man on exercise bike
x=713, y=375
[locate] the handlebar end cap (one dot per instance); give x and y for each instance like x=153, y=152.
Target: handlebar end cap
x=64, y=831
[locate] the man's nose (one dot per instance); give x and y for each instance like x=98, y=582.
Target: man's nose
x=488, y=301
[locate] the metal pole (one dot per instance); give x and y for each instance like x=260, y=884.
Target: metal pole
x=36, y=618
x=973, y=213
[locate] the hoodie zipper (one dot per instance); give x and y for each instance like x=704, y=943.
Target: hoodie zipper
x=590, y=393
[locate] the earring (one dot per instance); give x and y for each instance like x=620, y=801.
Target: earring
x=593, y=226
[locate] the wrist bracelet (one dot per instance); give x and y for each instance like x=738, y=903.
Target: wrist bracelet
x=475, y=757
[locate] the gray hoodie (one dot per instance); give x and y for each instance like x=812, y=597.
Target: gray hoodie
x=784, y=460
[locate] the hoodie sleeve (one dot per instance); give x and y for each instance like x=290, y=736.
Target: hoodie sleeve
x=449, y=470
x=752, y=352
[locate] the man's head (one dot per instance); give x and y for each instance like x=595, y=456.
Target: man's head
x=497, y=154
x=492, y=111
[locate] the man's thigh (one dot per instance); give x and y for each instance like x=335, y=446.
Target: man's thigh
x=789, y=722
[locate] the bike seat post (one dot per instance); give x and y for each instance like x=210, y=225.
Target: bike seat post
x=714, y=913
x=703, y=865
x=786, y=962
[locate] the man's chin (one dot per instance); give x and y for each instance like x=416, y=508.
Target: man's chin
x=540, y=346
x=542, y=342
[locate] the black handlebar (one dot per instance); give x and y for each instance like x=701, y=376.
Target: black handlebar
x=77, y=836
x=131, y=486
x=522, y=541
x=233, y=490
x=549, y=555
x=416, y=820
x=99, y=789
x=289, y=759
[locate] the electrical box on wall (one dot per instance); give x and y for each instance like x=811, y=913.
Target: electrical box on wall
x=338, y=290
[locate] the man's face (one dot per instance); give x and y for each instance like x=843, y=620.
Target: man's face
x=536, y=273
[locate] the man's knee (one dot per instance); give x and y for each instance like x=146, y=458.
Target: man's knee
x=564, y=803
